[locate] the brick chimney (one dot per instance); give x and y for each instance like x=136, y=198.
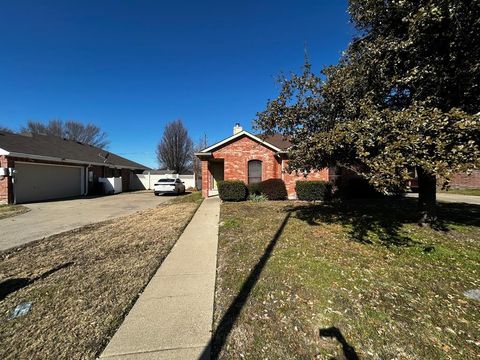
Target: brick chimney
x=237, y=128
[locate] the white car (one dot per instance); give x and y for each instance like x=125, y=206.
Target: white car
x=169, y=186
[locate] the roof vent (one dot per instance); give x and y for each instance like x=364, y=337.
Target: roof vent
x=237, y=128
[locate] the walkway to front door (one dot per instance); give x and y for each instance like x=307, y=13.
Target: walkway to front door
x=172, y=318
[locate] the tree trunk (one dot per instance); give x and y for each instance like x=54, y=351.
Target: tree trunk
x=427, y=197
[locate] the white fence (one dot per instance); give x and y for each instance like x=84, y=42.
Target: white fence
x=146, y=181
x=112, y=185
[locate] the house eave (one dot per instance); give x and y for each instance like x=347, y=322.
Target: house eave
x=64, y=160
x=203, y=154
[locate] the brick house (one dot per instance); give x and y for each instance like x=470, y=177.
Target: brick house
x=41, y=167
x=250, y=158
x=466, y=180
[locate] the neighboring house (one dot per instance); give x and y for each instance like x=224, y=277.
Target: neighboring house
x=250, y=158
x=466, y=180
x=41, y=167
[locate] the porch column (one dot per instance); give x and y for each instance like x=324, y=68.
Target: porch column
x=205, y=178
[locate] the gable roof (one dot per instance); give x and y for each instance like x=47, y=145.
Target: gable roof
x=45, y=147
x=277, y=140
x=273, y=143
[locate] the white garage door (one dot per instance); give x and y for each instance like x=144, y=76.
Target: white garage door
x=36, y=182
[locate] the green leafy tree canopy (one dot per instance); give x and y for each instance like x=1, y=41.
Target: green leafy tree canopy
x=404, y=95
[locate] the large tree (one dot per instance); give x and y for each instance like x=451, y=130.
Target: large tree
x=404, y=95
x=72, y=130
x=175, y=149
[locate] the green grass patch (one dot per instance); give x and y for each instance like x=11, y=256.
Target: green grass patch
x=193, y=197
x=363, y=269
x=475, y=192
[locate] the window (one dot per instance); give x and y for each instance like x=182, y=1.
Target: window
x=254, y=171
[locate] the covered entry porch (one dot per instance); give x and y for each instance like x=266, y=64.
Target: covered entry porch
x=212, y=174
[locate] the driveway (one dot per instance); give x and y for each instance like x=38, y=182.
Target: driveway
x=454, y=198
x=48, y=218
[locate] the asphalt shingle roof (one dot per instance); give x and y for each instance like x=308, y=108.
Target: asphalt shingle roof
x=56, y=147
x=277, y=140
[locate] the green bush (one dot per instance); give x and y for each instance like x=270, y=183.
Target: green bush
x=313, y=190
x=257, y=198
x=254, y=189
x=232, y=190
x=273, y=189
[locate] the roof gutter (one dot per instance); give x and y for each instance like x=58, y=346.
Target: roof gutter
x=206, y=154
x=51, y=158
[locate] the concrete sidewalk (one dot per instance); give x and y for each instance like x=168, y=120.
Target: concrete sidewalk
x=172, y=318
x=454, y=198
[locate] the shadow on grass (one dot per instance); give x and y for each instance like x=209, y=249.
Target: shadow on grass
x=383, y=218
x=229, y=318
x=334, y=332
x=10, y=286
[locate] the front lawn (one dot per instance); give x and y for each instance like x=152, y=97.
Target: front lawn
x=358, y=280
x=11, y=210
x=83, y=282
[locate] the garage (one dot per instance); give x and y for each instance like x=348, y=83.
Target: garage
x=35, y=167
x=38, y=182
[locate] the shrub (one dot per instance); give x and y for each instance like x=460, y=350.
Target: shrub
x=257, y=198
x=232, y=190
x=254, y=189
x=313, y=190
x=273, y=189
x=358, y=188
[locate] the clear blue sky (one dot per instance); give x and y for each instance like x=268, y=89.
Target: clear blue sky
x=132, y=66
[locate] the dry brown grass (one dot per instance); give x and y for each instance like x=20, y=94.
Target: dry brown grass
x=83, y=282
x=11, y=210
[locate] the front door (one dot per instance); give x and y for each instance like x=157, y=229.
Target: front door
x=216, y=170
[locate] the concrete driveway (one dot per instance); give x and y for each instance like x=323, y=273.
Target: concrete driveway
x=48, y=218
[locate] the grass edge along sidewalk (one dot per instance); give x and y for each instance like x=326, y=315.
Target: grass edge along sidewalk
x=297, y=280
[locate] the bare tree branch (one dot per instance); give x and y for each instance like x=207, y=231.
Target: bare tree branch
x=72, y=130
x=175, y=149
x=197, y=163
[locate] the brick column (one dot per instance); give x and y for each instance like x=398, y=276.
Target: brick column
x=5, y=184
x=205, y=178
